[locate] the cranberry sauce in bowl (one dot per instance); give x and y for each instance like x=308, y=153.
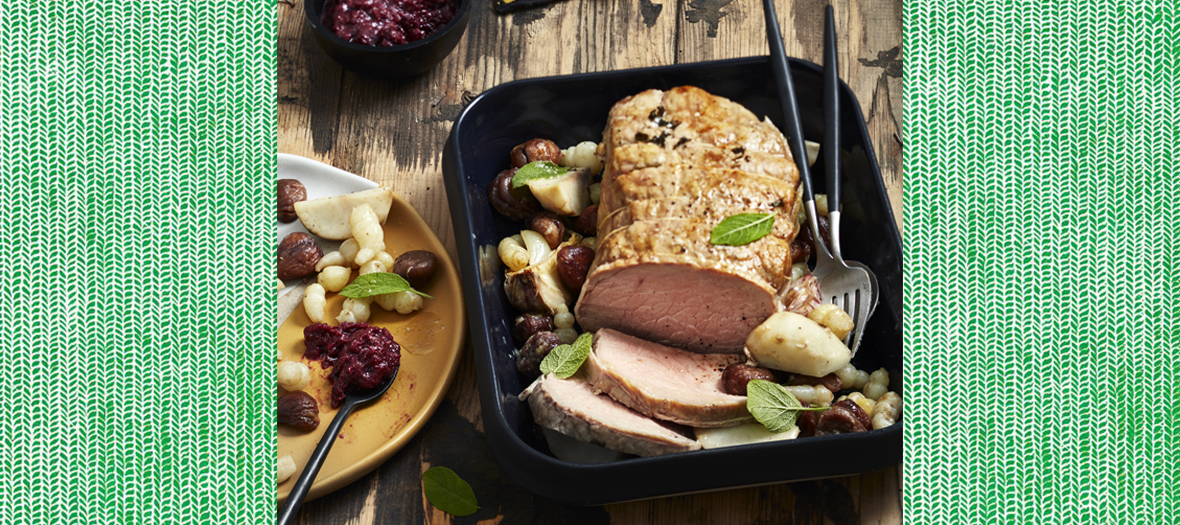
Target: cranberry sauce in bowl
x=387, y=22
x=364, y=35
x=360, y=356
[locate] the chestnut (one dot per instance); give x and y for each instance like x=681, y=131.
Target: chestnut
x=736, y=377
x=549, y=226
x=533, y=151
x=298, y=255
x=416, y=266
x=290, y=192
x=514, y=203
x=299, y=410
x=587, y=223
x=573, y=263
x=528, y=361
x=529, y=325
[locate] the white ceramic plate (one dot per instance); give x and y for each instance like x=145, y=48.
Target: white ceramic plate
x=321, y=180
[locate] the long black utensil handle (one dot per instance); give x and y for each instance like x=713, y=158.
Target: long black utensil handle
x=782, y=75
x=303, y=484
x=831, y=145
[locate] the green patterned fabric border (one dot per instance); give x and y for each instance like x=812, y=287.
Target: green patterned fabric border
x=136, y=289
x=1041, y=262
x=136, y=303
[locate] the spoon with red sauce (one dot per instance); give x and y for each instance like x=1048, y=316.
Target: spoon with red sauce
x=303, y=484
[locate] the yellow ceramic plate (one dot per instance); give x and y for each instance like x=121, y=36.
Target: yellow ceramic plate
x=431, y=341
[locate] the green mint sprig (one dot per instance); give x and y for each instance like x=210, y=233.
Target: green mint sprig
x=743, y=228
x=565, y=360
x=541, y=169
x=774, y=406
x=378, y=283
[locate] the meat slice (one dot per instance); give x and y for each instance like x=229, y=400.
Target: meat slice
x=663, y=281
x=663, y=382
x=687, y=241
x=678, y=304
x=572, y=407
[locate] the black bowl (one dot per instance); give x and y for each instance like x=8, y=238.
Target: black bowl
x=380, y=62
x=573, y=108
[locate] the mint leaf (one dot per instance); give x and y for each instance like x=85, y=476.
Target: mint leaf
x=541, y=169
x=448, y=492
x=565, y=360
x=774, y=406
x=379, y=283
x=743, y=228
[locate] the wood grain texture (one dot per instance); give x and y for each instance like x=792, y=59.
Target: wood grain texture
x=392, y=132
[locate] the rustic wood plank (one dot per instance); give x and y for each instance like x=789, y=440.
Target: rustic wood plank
x=392, y=132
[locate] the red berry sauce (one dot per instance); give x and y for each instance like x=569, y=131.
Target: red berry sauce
x=387, y=22
x=360, y=356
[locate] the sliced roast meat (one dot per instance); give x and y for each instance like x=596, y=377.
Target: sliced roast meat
x=571, y=407
x=677, y=240
x=664, y=382
x=664, y=282
x=678, y=304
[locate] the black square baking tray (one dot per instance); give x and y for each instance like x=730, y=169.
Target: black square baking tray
x=571, y=109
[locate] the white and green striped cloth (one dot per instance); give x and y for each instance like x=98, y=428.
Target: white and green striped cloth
x=137, y=162
x=137, y=307
x=1042, y=183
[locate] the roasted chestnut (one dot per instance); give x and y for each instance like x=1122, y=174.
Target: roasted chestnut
x=298, y=255
x=573, y=263
x=514, y=203
x=416, y=266
x=299, y=410
x=549, y=226
x=830, y=381
x=736, y=377
x=528, y=361
x=533, y=151
x=290, y=192
x=529, y=325
x=587, y=223
x=844, y=417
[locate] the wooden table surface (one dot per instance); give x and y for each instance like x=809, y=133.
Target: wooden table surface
x=393, y=131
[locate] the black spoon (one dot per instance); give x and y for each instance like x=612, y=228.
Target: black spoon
x=303, y=484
